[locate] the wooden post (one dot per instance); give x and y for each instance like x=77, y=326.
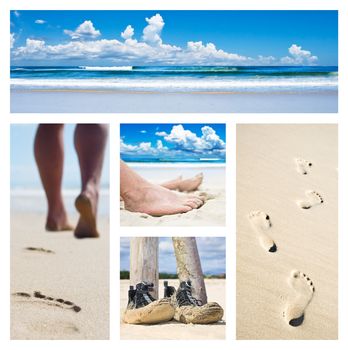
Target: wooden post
x=144, y=261
x=188, y=265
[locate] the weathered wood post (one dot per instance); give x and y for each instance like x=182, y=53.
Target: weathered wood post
x=188, y=265
x=144, y=261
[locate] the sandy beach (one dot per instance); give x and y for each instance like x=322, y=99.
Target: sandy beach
x=174, y=330
x=94, y=101
x=287, y=204
x=212, y=213
x=59, y=285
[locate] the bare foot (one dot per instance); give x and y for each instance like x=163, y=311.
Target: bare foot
x=86, y=205
x=187, y=185
x=58, y=221
x=172, y=184
x=191, y=184
x=156, y=200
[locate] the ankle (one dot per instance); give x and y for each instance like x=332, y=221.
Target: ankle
x=91, y=189
x=135, y=191
x=57, y=212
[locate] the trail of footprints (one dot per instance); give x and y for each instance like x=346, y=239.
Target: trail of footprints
x=39, y=297
x=300, y=283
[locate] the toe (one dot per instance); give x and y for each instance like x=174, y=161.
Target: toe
x=192, y=204
x=186, y=208
x=201, y=198
x=198, y=201
x=295, y=273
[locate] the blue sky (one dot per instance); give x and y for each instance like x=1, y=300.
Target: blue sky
x=174, y=37
x=24, y=174
x=172, y=142
x=212, y=252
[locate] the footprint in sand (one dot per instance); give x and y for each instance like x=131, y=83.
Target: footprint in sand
x=40, y=250
x=304, y=288
x=38, y=296
x=313, y=199
x=261, y=223
x=302, y=166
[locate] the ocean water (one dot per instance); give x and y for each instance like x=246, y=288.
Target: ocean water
x=177, y=78
x=173, y=160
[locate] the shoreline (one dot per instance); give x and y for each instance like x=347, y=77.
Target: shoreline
x=193, y=92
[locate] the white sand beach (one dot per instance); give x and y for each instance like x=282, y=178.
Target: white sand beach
x=212, y=213
x=278, y=190
x=72, y=274
x=94, y=101
x=174, y=330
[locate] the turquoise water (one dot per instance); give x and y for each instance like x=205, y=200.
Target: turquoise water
x=177, y=78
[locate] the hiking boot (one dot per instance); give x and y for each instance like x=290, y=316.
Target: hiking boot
x=143, y=308
x=189, y=309
x=142, y=295
x=131, y=296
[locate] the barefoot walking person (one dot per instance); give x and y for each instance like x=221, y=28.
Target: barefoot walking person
x=90, y=141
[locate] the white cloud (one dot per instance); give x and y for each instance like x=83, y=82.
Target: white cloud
x=128, y=33
x=185, y=144
x=84, y=31
x=266, y=60
x=187, y=140
x=201, y=53
x=161, y=133
x=160, y=146
x=16, y=13
x=299, y=56
x=296, y=50
x=33, y=45
x=40, y=21
x=12, y=40
x=143, y=148
x=166, y=246
x=143, y=131
x=151, y=49
x=152, y=32
x=127, y=147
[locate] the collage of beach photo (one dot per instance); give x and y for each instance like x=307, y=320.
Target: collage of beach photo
x=172, y=174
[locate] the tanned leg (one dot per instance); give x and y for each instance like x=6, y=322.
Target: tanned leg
x=90, y=141
x=49, y=156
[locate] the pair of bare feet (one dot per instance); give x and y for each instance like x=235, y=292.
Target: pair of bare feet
x=86, y=205
x=164, y=199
